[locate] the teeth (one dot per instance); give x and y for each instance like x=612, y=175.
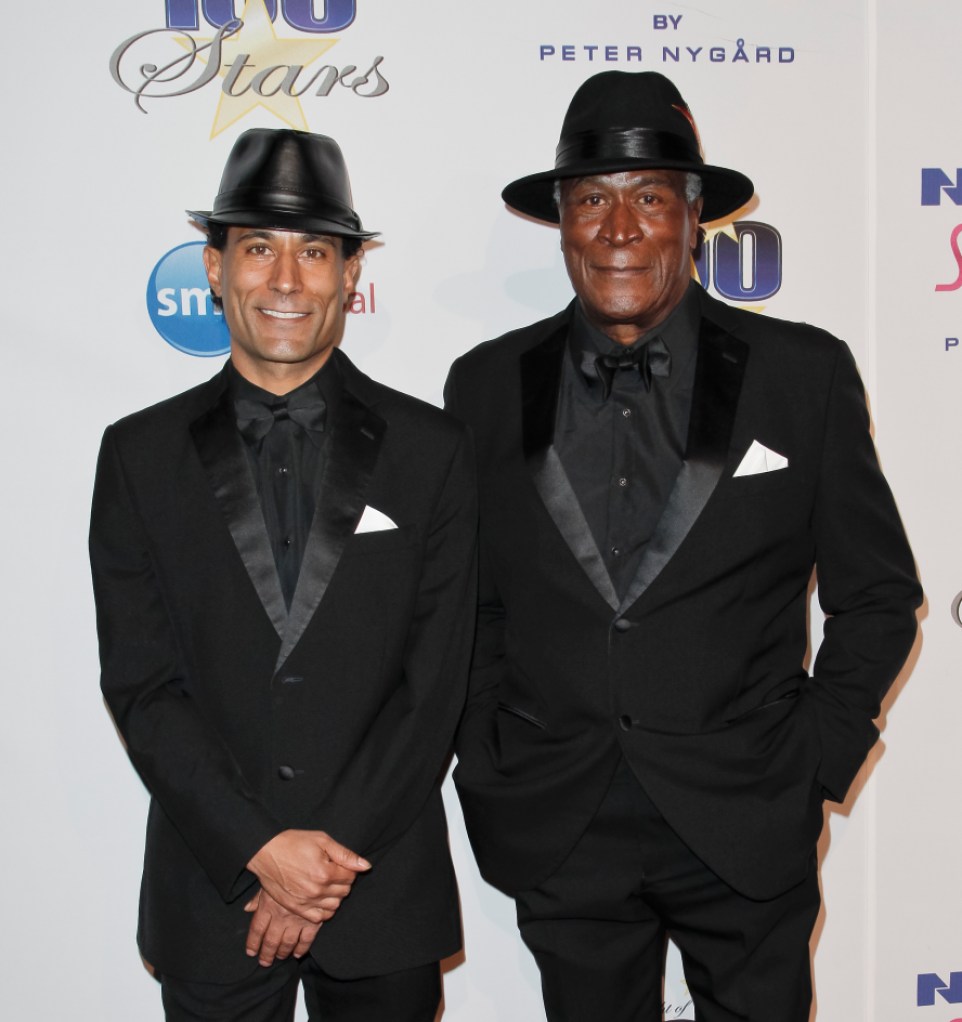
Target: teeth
x=283, y=315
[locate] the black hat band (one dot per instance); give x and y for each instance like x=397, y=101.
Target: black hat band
x=285, y=202
x=624, y=143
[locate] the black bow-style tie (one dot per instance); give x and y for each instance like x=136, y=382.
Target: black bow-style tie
x=306, y=407
x=651, y=359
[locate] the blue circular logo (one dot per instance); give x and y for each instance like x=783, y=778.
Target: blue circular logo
x=178, y=300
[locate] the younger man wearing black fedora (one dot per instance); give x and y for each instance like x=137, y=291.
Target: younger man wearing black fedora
x=282, y=563
x=644, y=753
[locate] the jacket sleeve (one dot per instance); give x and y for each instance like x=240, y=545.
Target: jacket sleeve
x=867, y=585
x=474, y=738
x=178, y=754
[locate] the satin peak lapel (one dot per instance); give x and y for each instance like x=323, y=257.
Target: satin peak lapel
x=541, y=368
x=354, y=446
x=222, y=454
x=718, y=380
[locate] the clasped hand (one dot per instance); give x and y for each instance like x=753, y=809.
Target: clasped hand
x=304, y=876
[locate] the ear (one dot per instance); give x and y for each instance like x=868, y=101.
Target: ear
x=694, y=214
x=352, y=272
x=213, y=261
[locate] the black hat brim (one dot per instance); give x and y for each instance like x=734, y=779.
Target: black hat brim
x=281, y=221
x=723, y=191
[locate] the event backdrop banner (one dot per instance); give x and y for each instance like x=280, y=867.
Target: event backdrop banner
x=120, y=116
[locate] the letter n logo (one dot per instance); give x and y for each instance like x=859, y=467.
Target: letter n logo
x=935, y=182
x=931, y=984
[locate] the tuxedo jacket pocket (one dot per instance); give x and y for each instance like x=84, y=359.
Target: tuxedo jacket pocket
x=760, y=484
x=528, y=718
x=382, y=541
x=784, y=702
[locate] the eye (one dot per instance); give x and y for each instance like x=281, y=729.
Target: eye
x=316, y=253
x=590, y=199
x=258, y=248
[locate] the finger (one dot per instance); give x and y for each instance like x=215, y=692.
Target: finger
x=255, y=932
x=298, y=904
x=306, y=939
x=343, y=856
x=288, y=941
x=269, y=947
x=313, y=914
x=331, y=904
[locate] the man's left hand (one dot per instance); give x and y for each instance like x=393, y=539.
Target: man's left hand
x=275, y=933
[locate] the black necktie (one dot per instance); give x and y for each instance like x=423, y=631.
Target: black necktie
x=305, y=406
x=651, y=359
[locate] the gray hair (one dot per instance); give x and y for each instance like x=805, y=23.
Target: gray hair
x=692, y=189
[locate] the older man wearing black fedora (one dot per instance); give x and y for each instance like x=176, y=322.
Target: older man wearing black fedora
x=283, y=570
x=644, y=753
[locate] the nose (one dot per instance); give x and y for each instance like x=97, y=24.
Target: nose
x=621, y=226
x=286, y=275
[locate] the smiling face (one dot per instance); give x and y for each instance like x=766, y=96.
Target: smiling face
x=627, y=240
x=285, y=296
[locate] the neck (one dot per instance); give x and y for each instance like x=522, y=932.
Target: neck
x=278, y=378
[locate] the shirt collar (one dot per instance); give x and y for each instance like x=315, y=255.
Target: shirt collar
x=679, y=331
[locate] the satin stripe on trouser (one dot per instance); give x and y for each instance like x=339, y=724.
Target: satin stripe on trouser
x=598, y=927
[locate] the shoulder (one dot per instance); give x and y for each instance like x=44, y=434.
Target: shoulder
x=403, y=414
x=163, y=418
x=508, y=348
x=770, y=333
x=793, y=345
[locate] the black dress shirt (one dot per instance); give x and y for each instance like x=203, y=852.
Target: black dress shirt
x=287, y=465
x=622, y=453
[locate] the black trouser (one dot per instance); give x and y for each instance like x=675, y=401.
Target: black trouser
x=598, y=927
x=270, y=995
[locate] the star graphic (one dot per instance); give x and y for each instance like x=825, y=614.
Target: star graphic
x=258, y=41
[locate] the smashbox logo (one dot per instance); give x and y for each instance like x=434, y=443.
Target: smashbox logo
x=179, y=303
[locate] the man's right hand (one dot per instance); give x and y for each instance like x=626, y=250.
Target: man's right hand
x=307, y=872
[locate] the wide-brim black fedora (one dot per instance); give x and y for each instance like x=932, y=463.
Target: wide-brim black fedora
x=286, y=180
x=621, y=120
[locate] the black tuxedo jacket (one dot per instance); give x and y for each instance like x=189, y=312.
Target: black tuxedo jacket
x=697, y=675
x=244, y=720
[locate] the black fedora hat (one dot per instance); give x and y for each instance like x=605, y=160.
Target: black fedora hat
x=288, y=180
x=620, y=120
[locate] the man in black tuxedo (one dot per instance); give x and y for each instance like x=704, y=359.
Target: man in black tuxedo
x=282, y=562
x=644, y=753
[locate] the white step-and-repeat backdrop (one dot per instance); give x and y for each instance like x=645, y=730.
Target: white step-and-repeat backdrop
x=119, y=114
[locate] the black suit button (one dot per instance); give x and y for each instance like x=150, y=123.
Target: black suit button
x=623, y=624
x=285, y=773
x=625, y=721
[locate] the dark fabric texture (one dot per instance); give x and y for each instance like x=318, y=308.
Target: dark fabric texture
x=598, y=932
x=244, y=718
x=697, y=674
x=270, y=995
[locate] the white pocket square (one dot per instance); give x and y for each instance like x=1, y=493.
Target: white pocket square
x=758, y=458
x=374, y=521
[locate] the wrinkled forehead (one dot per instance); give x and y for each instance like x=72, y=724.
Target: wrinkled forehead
x=646, y=177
